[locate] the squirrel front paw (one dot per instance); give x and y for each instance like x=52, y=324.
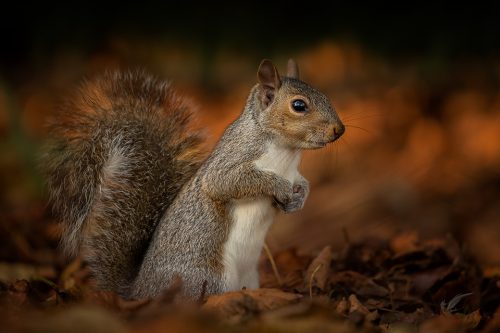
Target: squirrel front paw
x=283, y=192
x=296, y=199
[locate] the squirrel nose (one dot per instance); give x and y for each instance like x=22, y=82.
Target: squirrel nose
x=339, y=129
x=336, y=130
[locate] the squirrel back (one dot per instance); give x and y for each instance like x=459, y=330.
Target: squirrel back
x=120, y=151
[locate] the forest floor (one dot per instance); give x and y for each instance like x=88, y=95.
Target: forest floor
x=403, y=284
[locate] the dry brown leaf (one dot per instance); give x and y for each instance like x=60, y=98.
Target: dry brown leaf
x=472, y=319
x=355, y=305
x=357, y=283
x=444, y=323
x=16, y=271
x=404, y=242
x=240, y=303
x=342, y=307
x=319, y=270
x=421, y=282
x=18, y=292
x=301, y=308
x=291, y=267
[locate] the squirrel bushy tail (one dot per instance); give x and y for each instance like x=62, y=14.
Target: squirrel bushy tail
x=121, y=149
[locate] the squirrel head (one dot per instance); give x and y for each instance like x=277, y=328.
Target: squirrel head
x=299, y=115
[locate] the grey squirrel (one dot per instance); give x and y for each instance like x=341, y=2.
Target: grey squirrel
x=126, y=173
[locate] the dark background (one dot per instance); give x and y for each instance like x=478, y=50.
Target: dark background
x=417, y=84
x=33, y=33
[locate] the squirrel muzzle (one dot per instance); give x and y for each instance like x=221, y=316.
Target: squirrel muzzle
x=334, y=131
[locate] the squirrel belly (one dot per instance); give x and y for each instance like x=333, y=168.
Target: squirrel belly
x=252, y=217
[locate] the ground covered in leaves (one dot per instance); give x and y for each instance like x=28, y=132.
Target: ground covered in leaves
x=404, y=284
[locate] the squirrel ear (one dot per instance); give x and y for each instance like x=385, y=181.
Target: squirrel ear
x=269, y=80
x=292, y=69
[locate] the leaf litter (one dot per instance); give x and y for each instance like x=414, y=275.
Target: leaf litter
x=399, y=285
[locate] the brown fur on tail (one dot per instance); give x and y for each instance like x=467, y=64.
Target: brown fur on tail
x=120, y=150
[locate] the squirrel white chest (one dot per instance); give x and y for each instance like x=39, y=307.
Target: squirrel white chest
x=251, y=219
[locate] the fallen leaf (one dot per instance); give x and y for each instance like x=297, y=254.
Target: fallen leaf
x=352, y=282
x=417, y=261
x=404, y=242
x=444, y=323
x=423, y=281
x=18, y=292
x=238, y=304
x=342, y=307
x=319, y=270
x=366, y=258
x=15, y=271
x=355, y=305
x=472, y=319
x=291, y=267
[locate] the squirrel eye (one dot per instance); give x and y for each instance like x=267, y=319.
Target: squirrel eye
x=299, y=105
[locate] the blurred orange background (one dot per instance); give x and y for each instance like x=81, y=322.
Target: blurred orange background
x=421, y=152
